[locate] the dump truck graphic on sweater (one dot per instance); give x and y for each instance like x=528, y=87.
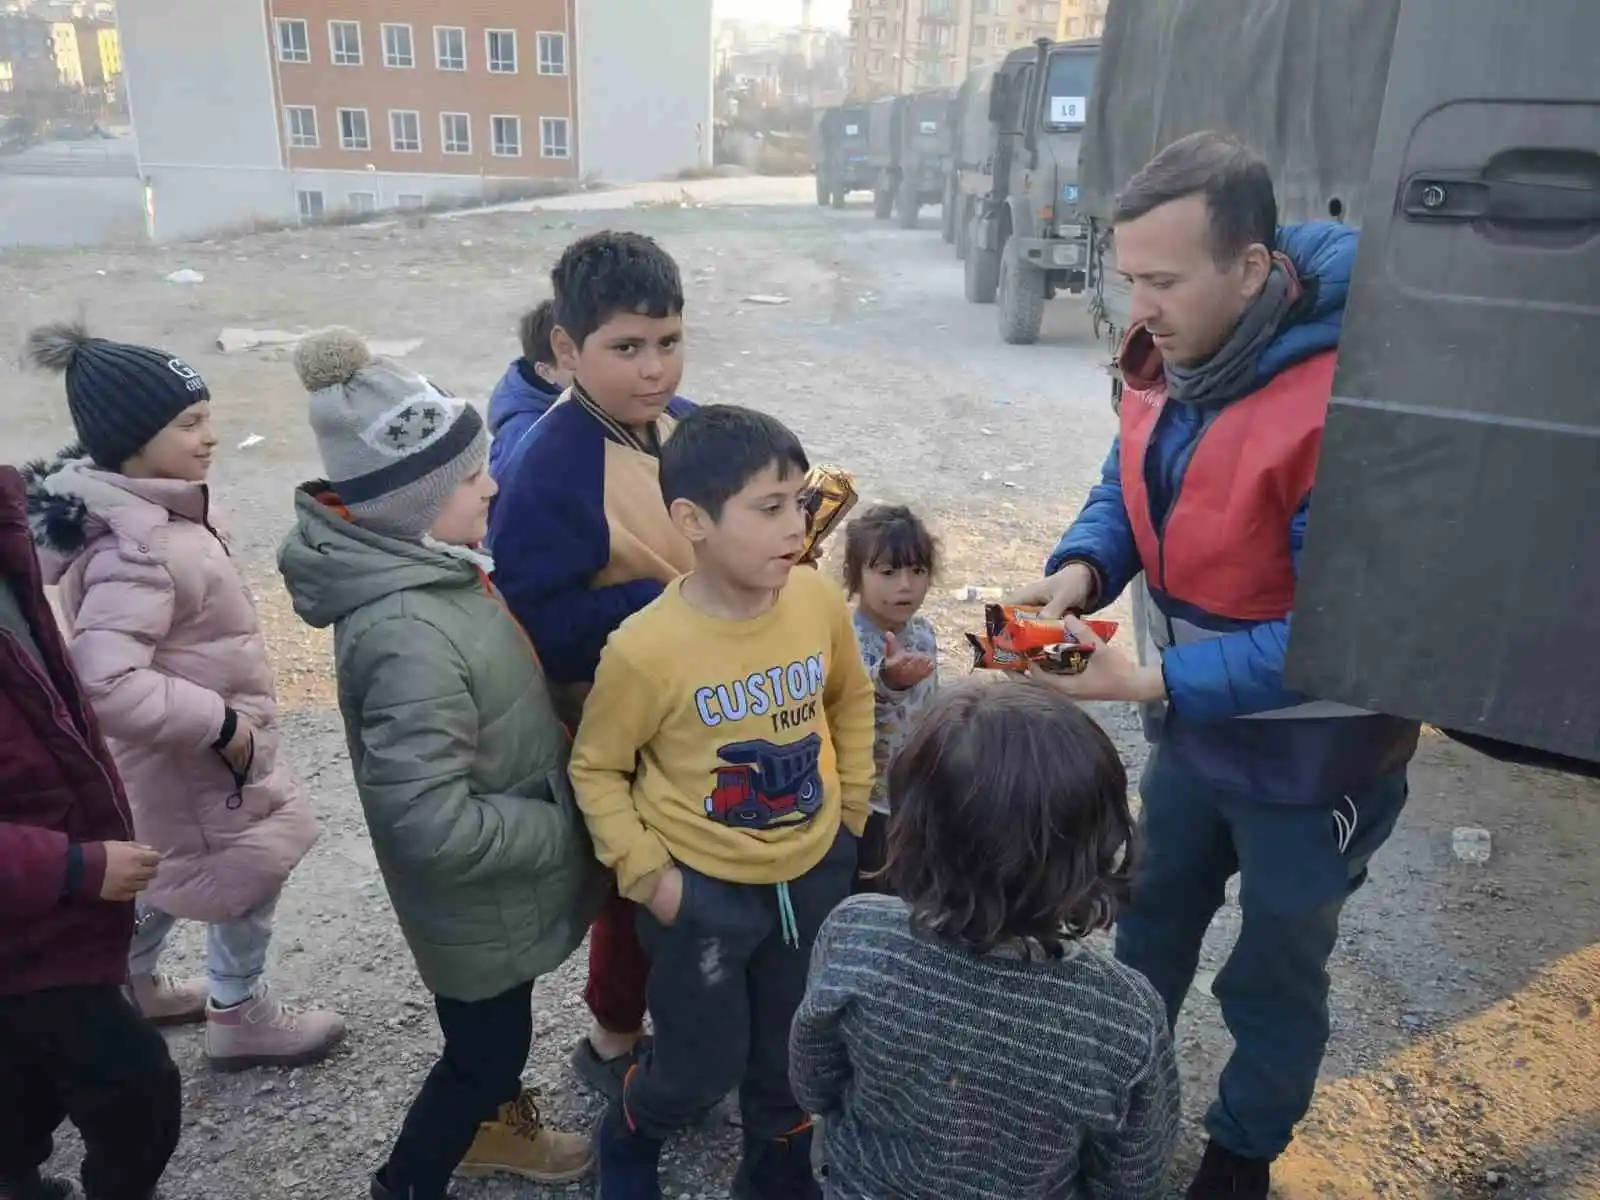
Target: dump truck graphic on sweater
x=761, y=784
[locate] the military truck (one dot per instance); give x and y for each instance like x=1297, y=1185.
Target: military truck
x=1025, y=241
x=1450, y=573
x=970, y=155
x=908, y=142
x=839, y=145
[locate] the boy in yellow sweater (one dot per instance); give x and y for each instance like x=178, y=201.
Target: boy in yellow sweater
x=724, y=767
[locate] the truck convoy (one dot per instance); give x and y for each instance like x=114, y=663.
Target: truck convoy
x=1451, y=573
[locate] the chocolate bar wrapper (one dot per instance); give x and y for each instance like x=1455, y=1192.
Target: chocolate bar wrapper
x=829, y=495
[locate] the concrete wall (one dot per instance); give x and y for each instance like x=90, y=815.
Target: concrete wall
x=644, y=86
x=200, y=89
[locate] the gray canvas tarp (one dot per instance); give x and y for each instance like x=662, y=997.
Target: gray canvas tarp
x=1300, y=80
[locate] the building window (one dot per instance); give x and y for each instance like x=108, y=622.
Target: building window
x=877, y=30
x=552, y=54
x=363, y=202
x=397, y=48
x=410, y=200
x=353, y=134
x=301, y=122
x=502, y=44
x=310, y=205
x=345, y=39
x=876, y=63
x=294, y=41
x=506, y=136
x=455, y=130
x=450, y=47
x=405, y=131
x=553, y=138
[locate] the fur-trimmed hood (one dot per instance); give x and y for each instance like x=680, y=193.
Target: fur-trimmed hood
x=71, y=503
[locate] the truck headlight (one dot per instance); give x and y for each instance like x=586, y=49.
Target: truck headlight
x=1066, y=256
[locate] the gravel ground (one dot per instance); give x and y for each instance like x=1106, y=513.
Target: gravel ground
x=1465, y=1058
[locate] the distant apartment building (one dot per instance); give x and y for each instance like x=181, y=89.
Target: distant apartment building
x=43, y=53
x=276, y=108
x=1081, y=19
x=100, y=52
x=899, y=46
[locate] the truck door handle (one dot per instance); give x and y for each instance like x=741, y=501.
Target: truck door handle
x=1458, y=196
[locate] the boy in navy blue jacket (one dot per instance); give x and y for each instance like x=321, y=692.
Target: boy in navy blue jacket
x=528, y=388
x=582, y=540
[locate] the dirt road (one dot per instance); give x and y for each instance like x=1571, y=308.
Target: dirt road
x=1466, y=1049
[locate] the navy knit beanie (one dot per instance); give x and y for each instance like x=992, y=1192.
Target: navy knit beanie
x=120, y=396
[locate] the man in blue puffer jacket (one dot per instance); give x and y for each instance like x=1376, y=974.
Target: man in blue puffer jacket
x=1227, y=374
x=528, y=388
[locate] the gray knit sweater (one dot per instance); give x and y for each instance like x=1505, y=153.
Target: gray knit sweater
x=949, y=1075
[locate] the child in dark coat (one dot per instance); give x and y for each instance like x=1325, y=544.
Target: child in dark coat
x=71, y=1046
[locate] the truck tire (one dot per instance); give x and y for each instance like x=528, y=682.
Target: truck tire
x=981, y=277
x=883, y=199
x=824, y=192
x=947, y=214
x=1021, y=299
x=908, y=204
x=838, y=195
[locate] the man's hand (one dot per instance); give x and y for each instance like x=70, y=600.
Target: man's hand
x=129, y=869
x=1110, y=674
x=901, y=669
x=668, y=897
x=242, y=748
x=1069, y=590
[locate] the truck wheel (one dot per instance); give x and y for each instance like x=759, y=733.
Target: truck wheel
x=824, y=193
x=947, y=214
x=908, y=204
x=838, y=195
x=883, y=200
x=1021, y=300
x=982, y=275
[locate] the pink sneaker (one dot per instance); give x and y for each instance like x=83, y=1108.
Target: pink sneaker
x=263, y=1032
x=164, y=1000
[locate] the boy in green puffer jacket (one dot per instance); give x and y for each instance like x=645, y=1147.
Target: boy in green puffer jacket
x=459, y=760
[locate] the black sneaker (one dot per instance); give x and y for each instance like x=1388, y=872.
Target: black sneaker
x=1224, y=1175
x=38, y=1187
x=604, y=1075
x=777, y=1169
x=626, y=1162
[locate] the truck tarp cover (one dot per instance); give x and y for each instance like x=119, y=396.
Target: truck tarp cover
x=1300, y=80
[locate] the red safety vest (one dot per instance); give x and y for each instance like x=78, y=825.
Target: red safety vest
x=1224, y=547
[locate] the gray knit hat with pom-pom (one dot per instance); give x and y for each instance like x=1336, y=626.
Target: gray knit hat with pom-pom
x=394, y=446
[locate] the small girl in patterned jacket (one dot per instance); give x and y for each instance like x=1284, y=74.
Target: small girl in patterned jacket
x=890, y=560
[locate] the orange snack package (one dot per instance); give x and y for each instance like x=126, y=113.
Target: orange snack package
x=1016, y=638
x=829, y=495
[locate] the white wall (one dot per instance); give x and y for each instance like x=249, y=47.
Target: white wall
x=199, y=77
x=644, y=75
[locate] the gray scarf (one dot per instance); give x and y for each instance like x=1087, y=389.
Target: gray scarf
x=1231, y=371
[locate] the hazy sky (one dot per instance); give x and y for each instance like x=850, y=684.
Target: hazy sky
x=785, y=12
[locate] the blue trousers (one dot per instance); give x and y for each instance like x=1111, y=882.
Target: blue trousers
x=1297, y=866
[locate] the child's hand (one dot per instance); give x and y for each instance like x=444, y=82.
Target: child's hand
x=902, y=669
x=241, y=751
x=668, y=898
x=129, y=869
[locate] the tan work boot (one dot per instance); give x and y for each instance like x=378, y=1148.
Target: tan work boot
x=262, y=1032
x=517, y=1143
x=163, y=1000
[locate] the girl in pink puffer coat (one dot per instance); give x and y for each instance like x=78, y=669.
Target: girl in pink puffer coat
x=165, y=637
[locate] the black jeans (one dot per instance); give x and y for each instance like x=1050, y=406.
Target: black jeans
x=723, y=990
x=871, y=854
x=486, y=1046
x=84, y=1054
